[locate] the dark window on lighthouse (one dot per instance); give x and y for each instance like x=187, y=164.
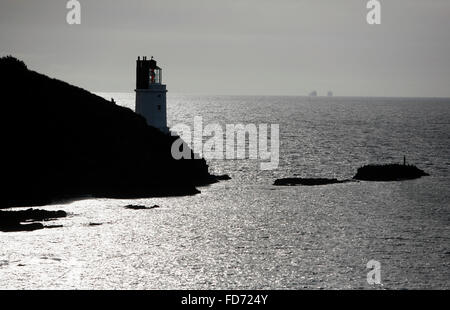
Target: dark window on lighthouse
x=159, y=107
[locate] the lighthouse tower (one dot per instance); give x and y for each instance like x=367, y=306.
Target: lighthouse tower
x=151, y=93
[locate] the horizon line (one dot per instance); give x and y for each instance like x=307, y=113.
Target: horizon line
x=277, y=95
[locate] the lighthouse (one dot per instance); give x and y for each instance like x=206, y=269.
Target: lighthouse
x=151, y=93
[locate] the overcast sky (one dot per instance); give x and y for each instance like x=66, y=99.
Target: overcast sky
x=255, y=47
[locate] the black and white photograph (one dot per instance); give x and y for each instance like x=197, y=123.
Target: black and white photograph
x=225, y=146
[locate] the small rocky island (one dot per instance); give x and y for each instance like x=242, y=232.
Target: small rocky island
x=140, y=207
x=306, y=181
x=389, y=172
x=62, y=142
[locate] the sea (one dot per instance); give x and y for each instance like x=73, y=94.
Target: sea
x=246, y=233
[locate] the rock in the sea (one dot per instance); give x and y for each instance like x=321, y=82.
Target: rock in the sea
x=306, y=181
x=389, y=172
x=14, y=220
x=14, y=227
x=140, y=207
x=222, y=177
x=135, y=207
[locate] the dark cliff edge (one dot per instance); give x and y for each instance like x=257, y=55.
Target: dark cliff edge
x=62, y=142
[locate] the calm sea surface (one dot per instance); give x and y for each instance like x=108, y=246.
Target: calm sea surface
x=246, y=233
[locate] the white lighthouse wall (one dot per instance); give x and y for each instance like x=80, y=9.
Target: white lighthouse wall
x=152, y=105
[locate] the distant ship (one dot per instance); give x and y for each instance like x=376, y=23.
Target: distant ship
x=330, y=93
x=313, y=94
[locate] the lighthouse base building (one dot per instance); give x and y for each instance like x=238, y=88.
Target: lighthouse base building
x=151, y=94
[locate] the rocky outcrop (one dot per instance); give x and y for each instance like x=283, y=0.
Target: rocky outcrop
x=25, y=220
x=389, y=172
x=139, y=207
x=306, y=181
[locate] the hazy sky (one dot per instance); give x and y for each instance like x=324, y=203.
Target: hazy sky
x=261, y=47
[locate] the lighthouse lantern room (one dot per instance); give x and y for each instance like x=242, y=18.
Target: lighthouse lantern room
x=151, y=93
